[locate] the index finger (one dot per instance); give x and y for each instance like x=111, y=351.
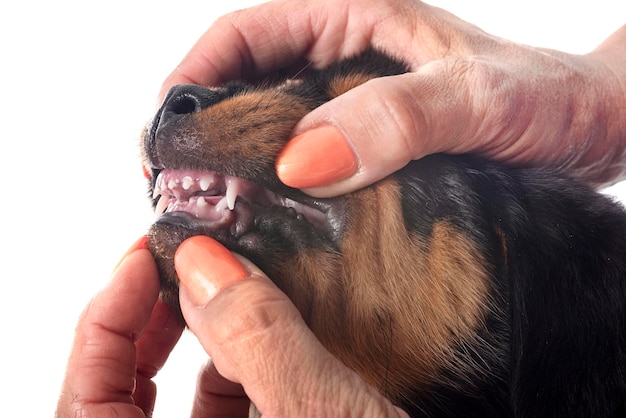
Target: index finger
x=217, y=396
x=154, y=346
x=252, y=42
x=102, y=366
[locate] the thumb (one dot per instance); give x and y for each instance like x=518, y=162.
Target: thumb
x=385, y=122
x=256, y=337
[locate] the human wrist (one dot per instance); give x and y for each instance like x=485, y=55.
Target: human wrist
x=611, y=56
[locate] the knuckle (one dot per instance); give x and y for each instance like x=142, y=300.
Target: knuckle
x=264, y=316
x=401, y=116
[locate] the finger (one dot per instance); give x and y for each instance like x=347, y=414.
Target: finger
x=252, y=42
x=256, y=337
x=218, y=397
x=250, y=341
x=100, y=377
x=153, y=348
x=259, y=39
x=390, y=121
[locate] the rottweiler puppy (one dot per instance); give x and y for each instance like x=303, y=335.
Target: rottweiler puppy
x=457, y=286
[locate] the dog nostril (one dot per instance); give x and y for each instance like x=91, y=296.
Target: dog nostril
x=183, y=105
x=185, y=99
x=182, y=100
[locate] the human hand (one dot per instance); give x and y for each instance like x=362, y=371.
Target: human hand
x=467, y=91
x=256, y=338
x=122, y=339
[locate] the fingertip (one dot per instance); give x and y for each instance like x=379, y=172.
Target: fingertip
x=140, y=244
x=382, y=123
x=205, y=267
x=318, y=157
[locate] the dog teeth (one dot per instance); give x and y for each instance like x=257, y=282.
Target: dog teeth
x=158, y=186
x=205, y=182
x=187, y=182
x=221, y=205
x=182, y=190
x=161, y=206
x=212, y=197
x=232, y=191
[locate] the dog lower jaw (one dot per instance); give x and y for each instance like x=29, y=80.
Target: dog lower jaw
x=232, y=226
x=269, y=236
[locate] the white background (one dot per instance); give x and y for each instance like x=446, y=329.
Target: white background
x=78, y=81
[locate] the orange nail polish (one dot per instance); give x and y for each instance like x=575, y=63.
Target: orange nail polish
x=205, y=267
x=140, y=244
x=317, y=157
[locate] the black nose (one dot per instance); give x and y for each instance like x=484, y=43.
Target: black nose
x=180, y=102
x=183, y=100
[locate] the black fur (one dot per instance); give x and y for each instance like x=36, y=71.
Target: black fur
x=561, y=281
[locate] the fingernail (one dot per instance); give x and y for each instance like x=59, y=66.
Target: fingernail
x=146, y=172
x=205, y=267
x=140, y=244
x=314, y=158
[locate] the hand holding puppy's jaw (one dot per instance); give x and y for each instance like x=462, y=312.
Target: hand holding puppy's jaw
x=256, y=337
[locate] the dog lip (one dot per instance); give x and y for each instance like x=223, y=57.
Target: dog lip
x=223, y=202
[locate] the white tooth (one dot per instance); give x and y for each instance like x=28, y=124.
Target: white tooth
x=201, y=202
x=232, y=190
x=171, y=184
x=187, y=182
x=221, y=205
x=179, y=195
x=205, y=183
x=158, y=186
x=161, y=205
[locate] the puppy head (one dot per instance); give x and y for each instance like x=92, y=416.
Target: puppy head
x=351, y=264
x=210, y=154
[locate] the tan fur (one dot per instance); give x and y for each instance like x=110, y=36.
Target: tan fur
x=341, y=85
x=236, y=124
x=503, y=245
x=401, y=297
